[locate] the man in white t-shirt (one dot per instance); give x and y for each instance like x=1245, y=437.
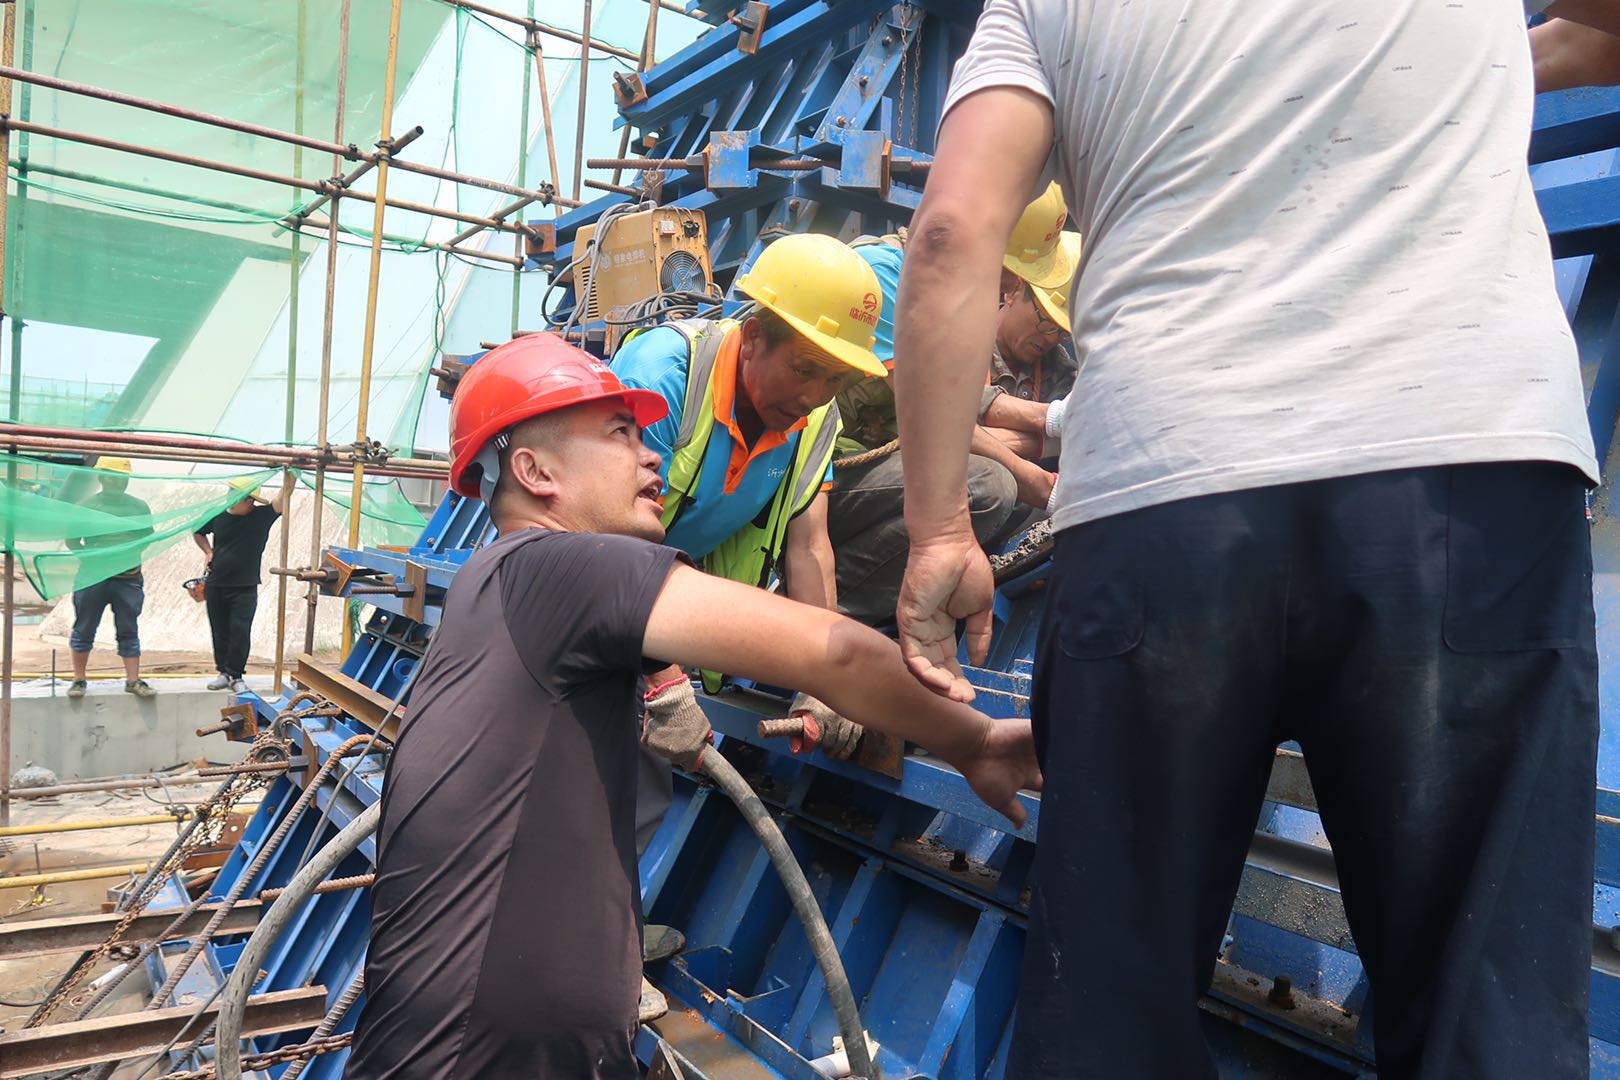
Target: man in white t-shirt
x=1322, y=479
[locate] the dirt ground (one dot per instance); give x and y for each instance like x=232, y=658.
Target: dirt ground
x=25, y=982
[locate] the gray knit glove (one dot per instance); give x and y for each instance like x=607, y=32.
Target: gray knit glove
x=835, y=735
x=675, y=727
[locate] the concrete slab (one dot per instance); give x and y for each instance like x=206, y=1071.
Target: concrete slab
x=109, y=732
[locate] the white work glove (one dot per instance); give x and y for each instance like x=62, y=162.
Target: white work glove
x=824, y=728
x=1054, y=417
x=1052, y=502
x=1052, y=437
x=675, y=726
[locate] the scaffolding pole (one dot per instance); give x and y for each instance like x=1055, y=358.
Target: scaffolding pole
x=321, y=440
x=649, y=49
x=8, y=45
x=579, y=123
x=369, y=341
x=294, y=269
x=349, y=152
x=545, y=109
x=537, y=27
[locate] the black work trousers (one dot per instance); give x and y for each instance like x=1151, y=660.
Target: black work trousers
x=1427, y=637
x=230, y=618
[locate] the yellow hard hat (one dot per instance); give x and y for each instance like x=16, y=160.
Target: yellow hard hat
x=1033, y=253
x=1054, y=303
x=114, y=464
x=826, y=292
x=245, y=486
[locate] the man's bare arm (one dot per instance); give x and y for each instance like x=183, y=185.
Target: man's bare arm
x=202, y=543
x=1034, y=482
x=988, y=156
x=1569, y=53
x=700, y=620
x=807, y=558
x=1015, y=414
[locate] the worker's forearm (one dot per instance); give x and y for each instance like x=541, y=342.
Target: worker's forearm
x=1568, y=54
x=1598, y=14
x=943, y=336
x=203, y=545
x=1006, y=411
x=1034, y=483
x=865, y=680
x=812, y=578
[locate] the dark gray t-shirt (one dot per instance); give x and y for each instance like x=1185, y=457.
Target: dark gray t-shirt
x=505, y=920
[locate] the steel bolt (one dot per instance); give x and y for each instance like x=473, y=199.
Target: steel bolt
x=959, y=861
x=843, y=122
x=862, y=81
x=1282, y=992
x=793, y=206
x=888, y=39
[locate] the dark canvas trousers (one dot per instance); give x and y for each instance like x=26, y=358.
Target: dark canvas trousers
x=867, y=527
x=1427, y=637
x=230, y=618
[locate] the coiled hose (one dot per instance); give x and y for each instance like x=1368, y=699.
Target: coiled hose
x=234, y=1001
x=730, y=781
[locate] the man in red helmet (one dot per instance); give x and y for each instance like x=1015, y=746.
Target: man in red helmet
x=505, y=916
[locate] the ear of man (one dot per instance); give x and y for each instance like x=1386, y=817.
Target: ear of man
x=528, y=464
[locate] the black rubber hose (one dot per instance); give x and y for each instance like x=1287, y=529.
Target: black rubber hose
x=804, y=905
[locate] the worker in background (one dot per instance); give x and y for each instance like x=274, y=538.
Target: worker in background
x=124, y=592
x=747, y=446
x=1323, y=478
x=1006, y=488
x=231, y=576
x=1031, y=369
x=504, y=918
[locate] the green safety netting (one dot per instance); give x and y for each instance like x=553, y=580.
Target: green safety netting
x=156, y=295
x=66, y=533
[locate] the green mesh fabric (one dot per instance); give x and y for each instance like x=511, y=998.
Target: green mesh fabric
x=63, y=544
x=155, y=295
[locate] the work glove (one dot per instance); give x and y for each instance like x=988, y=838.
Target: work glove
x=675, y=726
x=824, y=728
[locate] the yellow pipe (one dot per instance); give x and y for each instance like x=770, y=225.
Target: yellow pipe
x=369, y=341
x=34, y=881
x=98, y=823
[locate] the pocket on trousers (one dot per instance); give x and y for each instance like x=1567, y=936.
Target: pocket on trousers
x=1518, y=558
x=1101, y=609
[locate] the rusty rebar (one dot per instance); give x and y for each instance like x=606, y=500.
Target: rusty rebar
x=343, y=884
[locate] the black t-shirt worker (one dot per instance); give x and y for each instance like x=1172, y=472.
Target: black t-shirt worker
x=505, y=938
x=232, y=579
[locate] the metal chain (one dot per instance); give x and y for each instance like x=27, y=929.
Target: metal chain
x=283, y=1056
x=212, y=814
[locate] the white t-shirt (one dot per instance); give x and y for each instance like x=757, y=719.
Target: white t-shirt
x=1312, y=247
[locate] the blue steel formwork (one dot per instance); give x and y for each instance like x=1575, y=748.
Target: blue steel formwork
x=923, y=887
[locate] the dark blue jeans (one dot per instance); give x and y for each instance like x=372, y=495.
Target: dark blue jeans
x=125, y=595
x=1427, y=637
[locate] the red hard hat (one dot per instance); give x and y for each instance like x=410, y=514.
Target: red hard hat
x=528, y=376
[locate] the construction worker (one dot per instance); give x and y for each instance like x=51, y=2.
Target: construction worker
x=124, y=592
x=231, y=576
x=748, y=443
x=504, y=918
x=1323, y=479
x=1006, y=488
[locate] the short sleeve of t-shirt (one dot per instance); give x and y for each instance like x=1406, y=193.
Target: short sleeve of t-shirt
x=576, y=604
x=657, y=360
x=1002, y=53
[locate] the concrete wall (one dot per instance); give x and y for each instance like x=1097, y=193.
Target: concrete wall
x=109, y=732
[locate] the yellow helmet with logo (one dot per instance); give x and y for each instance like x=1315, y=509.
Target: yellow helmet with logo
x=245, y=486
x=114, y=464
x=1054, y=303
x=826, y=292
x=1033, y=253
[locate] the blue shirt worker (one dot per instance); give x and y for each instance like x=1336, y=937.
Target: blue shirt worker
x=748, y=444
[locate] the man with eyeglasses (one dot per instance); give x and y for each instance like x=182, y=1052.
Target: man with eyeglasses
x=1006, y=488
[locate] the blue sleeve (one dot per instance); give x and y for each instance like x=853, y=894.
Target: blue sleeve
x=657, y=360
x=885, y=260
